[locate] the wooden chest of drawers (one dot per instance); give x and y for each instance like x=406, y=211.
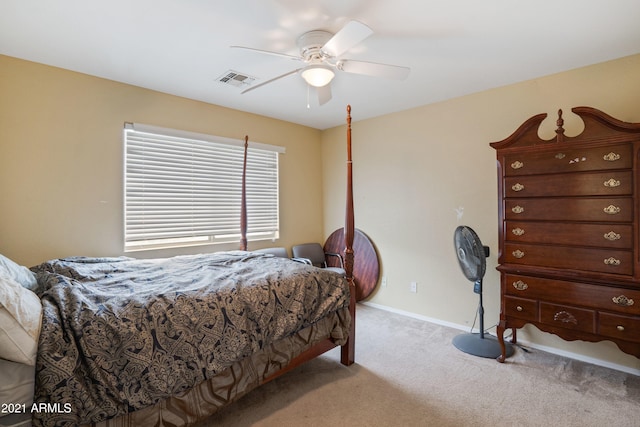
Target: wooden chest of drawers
x=568, y=225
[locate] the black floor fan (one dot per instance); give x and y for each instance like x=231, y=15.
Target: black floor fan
x=472, y=256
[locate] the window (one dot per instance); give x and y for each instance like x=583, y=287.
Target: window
x=184, y=189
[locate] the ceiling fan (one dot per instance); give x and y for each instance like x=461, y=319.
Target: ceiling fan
x=320, y=53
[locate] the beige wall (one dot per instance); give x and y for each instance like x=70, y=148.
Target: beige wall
x=61, y=151
x=415, y=170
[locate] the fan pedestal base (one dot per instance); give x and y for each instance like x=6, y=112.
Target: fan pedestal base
x=476, y=345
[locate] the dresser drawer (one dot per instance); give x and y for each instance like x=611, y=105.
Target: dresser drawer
x=618, y=236
x=569, y=160
x=521, y=308
x=613, y=183
x=568, y=317
x=611, y=261
x=598, y=297
x=587, y=209
x=622, y=327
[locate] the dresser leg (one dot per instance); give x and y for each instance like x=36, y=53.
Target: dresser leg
x=514, y=339
x=503, y=348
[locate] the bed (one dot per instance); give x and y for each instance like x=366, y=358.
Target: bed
x=124, y=341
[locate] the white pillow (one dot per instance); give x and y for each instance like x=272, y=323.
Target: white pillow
x=17, y=385
x=19, y=273
x=20, y=319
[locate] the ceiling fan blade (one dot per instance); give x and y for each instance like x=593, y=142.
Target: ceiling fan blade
x=324, y=94
x=374, y=69
x=270, y=81
x=268, y=52
x=350, y=35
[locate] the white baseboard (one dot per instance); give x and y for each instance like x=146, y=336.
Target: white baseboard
x=552, y=350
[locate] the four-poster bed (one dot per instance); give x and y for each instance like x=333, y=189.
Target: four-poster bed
x=145, y=342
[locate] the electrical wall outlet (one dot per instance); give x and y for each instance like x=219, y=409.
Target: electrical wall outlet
x=413, y=287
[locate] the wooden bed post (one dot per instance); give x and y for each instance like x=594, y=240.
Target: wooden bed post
x=243, y=201
x=348, y=349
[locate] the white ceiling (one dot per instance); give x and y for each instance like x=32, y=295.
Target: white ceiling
x=453, y=47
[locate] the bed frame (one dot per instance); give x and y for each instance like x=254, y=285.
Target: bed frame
x=347, y=355
x=207, y=397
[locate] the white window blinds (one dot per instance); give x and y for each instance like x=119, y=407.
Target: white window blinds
x=184, y=189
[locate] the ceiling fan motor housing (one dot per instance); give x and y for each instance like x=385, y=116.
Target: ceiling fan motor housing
x=311, y=42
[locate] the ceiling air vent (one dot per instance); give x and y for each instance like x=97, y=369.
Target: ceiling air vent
x=236, y=79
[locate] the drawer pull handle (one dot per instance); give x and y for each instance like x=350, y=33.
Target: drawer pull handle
x=518, y=308
x=612, y=210
x=611, y=183
x=517, y=209
x=518, y=187
x=565, y=317
x=620, y=328
x=517, y=165
x=518, y=231
x=611, y=157
x=612, y=261
x=612, y=236
x=622, y=301
x=518, y=253
x=520, y=285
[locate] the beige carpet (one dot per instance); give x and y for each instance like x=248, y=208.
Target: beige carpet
x=407, y=373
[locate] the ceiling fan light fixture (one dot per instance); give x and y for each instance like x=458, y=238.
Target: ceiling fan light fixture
x=318, y=75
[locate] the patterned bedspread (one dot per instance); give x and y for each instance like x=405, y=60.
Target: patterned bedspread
x=120, y=334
